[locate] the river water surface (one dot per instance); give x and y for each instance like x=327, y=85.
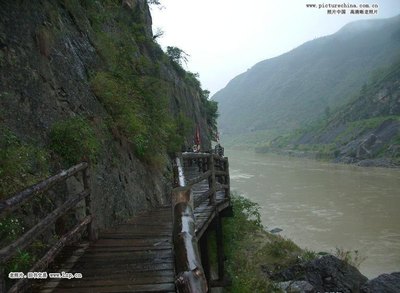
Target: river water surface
x=324, y=206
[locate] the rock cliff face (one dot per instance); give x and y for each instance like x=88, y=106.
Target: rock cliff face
x=53, y=57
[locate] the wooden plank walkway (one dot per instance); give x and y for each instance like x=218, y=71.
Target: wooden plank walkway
x=136, y=256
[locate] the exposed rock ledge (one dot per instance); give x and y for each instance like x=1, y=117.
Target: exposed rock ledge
x=330, y=274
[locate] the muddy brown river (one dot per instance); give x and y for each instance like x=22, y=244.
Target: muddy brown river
x=323, y=206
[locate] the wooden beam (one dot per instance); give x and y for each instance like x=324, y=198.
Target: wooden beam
x=218, y=157
x=199, y=178
x=9, y=251
x=220, y=173
x=186, y=156
x=19, y=198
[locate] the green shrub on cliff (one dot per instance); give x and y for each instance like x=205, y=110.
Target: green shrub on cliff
x=21, y=163
x=74, y=140
x=252, y=253
x=241, y=241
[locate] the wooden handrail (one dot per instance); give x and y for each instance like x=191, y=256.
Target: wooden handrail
x=200, y=178
x=9, y=251
x=190, y=275
x=19, y=198
x=26, y=239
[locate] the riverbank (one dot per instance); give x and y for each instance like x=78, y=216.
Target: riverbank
x=260, y=261
x=325, y=154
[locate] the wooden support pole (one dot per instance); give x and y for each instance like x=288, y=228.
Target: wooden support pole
x=2, y=279
x=91, y=231
x=220, y=247
x=205, y=257
x=227, y=180
x=212, y=182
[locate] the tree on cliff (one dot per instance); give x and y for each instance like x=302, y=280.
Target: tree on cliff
x=177, y=55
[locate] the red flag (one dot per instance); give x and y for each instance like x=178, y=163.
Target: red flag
x=197, y=140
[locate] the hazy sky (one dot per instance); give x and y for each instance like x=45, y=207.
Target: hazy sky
x=226, y=37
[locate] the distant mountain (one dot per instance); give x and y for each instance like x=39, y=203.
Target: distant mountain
x=297, y=88
x=365, y=131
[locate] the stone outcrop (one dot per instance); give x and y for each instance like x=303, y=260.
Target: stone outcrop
x=385, y=283
x=325, y=274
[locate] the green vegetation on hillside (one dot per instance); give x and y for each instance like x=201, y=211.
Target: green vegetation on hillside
x=74, y=140
x=368, y=127
x=21, y=163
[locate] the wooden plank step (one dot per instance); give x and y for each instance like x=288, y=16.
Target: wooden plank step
x=152, y=247
x=127, y=280
x=167, y=287
x=127, y=275
x=133, y=235
x=167, y=242
x=125, y=253
x=131, y=268
x=122, y=260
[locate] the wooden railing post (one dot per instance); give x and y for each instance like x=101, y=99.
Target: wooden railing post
x=212, y=183
x=220, y=248
x=205, y=257
x=92, y=235
x=227, y=179
x=2, y=279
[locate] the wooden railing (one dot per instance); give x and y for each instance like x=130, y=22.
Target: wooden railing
x=12, y=203
x=190, y=275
